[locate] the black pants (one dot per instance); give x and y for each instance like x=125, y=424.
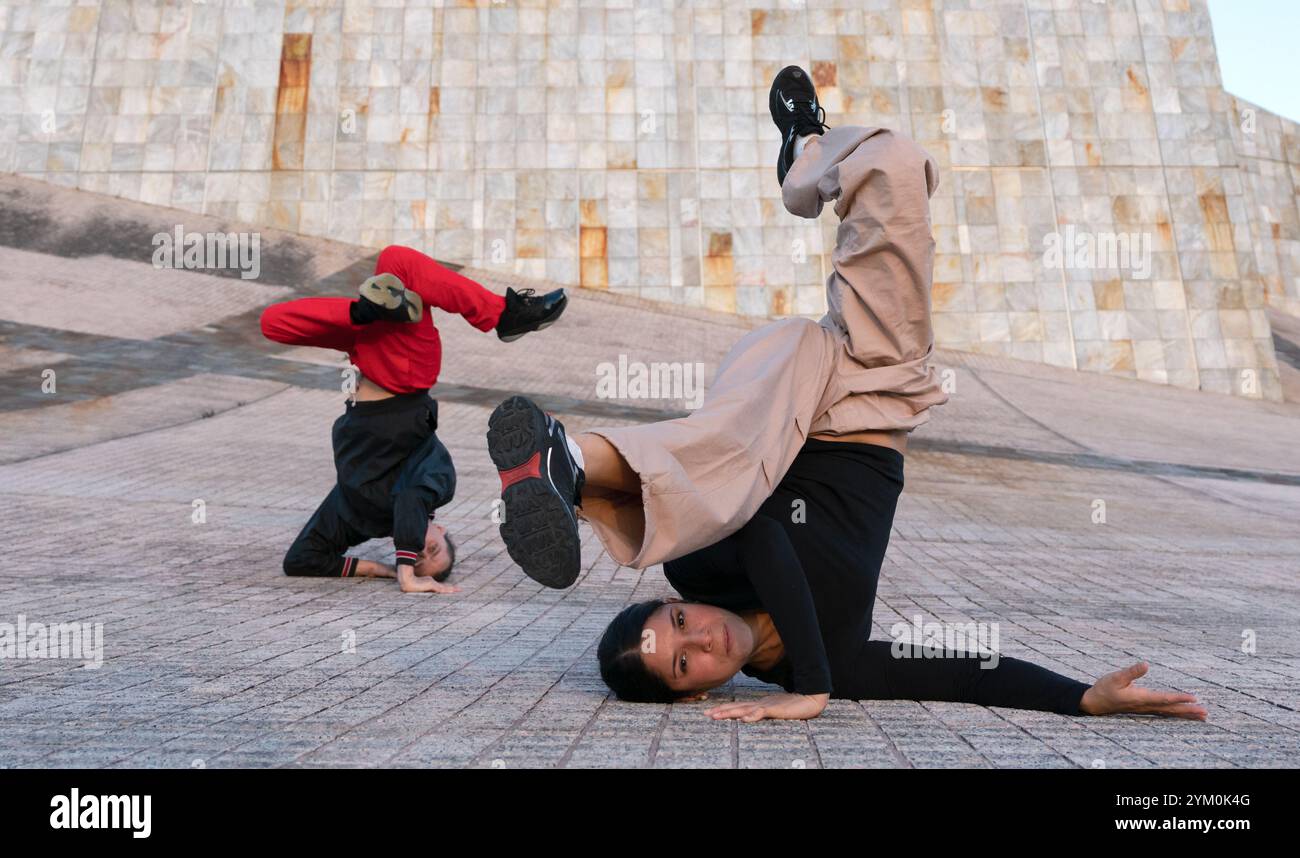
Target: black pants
x=318, y=550
x=375, y=444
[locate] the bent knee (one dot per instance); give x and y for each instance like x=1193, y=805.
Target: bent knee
x=298, y=565
x=391, y=257
x=800, y=327
x=895, y=152
x=799, y=322
x=270, y=322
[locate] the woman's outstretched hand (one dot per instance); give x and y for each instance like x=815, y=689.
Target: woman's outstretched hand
x=1115, y=692
x=796, y=707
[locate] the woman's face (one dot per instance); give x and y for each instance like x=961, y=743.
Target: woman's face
x=694, y=647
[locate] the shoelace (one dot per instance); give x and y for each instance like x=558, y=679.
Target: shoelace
x=813, y=116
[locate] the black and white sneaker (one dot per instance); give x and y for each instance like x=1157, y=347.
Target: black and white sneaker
x=385, y=298
x=794, y=108
x=526, y=312
x=540, y=486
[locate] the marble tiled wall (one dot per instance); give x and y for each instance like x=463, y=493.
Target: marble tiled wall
x=625, y=146
x=1268, y=149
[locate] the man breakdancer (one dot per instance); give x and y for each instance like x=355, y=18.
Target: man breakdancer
x=393, y=472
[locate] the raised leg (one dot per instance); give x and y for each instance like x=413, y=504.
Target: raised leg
x=604, y=467
x=320, y=322
x=611, y=492
x=879, y=290
x=441, y=287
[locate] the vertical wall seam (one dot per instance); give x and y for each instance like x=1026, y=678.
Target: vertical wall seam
x=212, y=124
x=699, y=175
x=90, y=88
x=1051, y=183
x=1169, y=203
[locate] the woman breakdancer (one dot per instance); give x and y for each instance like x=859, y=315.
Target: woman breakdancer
x=816, y=415
x=788, y=599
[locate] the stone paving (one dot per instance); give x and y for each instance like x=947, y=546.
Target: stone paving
x=212, y=657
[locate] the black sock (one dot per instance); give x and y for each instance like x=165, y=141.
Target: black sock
x=363, y=312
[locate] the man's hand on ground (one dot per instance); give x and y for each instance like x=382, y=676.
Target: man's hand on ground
x=411, y=583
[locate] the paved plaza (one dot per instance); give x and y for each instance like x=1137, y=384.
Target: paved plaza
x=1097, y=520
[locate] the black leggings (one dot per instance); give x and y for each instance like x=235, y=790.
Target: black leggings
x=884, y=671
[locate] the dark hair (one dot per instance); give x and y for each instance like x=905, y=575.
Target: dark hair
x=451, y=559
x=621, y=664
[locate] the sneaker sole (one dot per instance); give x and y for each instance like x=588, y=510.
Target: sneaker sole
x=543, y=326
x=388, y=292
x=540, y=529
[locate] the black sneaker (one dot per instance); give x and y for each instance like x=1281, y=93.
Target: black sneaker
x=526, y=312
x=540, y=485
x=794, y=108
x=385, y=298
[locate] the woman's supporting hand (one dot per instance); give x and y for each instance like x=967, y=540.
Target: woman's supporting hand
x=789, y=706
x=1115, y=693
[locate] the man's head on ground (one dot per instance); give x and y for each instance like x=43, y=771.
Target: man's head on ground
x=438, y=556
x=666, y=650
